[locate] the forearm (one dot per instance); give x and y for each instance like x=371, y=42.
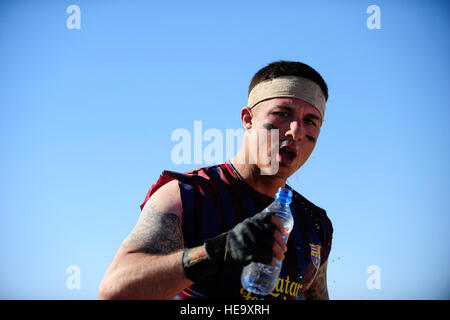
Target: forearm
x=319, y=288
x=144, y=276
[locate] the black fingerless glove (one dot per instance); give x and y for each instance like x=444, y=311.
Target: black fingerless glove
x=251, y=240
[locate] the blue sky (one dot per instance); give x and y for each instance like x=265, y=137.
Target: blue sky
x=86, y=117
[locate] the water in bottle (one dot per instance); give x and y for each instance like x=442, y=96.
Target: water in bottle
x=260, y=278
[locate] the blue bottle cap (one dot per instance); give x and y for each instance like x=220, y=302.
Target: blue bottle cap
x=284, y=195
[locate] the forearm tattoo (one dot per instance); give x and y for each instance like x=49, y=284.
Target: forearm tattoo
x=155, y=232
x=319, y=289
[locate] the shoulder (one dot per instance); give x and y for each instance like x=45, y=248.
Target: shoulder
x=166, y=198
x=195, y=175
x=318, y=216
x=166, y=191
x=300, y=200
x=199, y=178
x=316, y=212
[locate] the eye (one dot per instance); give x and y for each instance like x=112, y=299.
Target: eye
x=281, y=114
x=310, y=121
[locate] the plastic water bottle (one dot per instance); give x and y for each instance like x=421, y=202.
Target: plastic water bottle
x=261, y=278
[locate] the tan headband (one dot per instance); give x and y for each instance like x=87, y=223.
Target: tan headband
x=288, y=87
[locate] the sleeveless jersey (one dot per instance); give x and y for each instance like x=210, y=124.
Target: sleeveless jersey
x=214, y=199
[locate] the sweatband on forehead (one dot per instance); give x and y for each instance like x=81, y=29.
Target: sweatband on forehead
x=288, y=87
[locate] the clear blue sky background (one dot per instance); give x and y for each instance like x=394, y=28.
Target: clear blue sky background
x=86, y=118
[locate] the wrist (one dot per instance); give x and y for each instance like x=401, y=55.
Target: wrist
x=204, y=260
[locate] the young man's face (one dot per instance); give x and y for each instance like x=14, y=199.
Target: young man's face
x=298, y=124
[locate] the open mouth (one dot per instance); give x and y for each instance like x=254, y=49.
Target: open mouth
x=287, y=155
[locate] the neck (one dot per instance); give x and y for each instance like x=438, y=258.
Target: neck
x=265, y=184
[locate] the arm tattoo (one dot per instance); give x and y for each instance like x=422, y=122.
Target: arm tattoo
x=155, y=232
x=319, y=289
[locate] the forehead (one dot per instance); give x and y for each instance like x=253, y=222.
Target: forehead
x=294, y=104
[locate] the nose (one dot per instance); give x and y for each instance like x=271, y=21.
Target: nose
x=296, y=130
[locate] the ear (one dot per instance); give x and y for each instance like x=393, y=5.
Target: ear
x=246, y=117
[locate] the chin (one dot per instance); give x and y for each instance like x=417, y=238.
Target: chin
x=287, y=170
x=284, y=171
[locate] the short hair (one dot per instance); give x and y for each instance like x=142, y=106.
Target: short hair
x=288, y=68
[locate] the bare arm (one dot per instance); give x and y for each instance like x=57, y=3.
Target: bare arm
x=319, y=288
x=148, y=264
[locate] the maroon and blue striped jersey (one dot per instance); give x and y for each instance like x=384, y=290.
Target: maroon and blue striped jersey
x=214, y=199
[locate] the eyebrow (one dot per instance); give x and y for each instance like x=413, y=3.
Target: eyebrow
x=288, y=108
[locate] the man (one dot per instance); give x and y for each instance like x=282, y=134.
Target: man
x=198, y=229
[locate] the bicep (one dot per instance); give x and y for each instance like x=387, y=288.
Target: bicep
x=158, y=230
x=319, y=289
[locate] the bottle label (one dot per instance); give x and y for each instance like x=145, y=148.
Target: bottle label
x=285, y=236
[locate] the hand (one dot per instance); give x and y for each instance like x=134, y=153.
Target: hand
x=258, y=238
